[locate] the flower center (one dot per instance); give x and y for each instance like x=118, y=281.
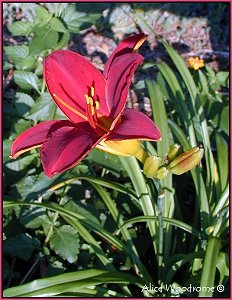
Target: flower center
x=93, y=115
x=92, y=106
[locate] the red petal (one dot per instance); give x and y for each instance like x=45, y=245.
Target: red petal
x=34, y=137
x=135, y=125
x=126, y=46
x=118, y=82
x=70, y=76
x=66, y=147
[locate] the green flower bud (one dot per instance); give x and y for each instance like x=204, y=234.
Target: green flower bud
x=161, y=173
x=174, y=151
x=209, y=230
x=151, y=166
x=186, y=161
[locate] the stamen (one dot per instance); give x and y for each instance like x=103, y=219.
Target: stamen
x=92, y=91
x=87, y=99
x=78, y=113
x=90, y=113
x=70, y=108
x=97, y=105
x=139, y=43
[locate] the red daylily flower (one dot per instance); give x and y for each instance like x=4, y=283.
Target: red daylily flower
x=95, y=106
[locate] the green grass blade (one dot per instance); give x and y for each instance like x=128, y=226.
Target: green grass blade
x=222, y=201
x=160, y=118
x=197, y=178
x=222, y=160
x=103, y=182
x=131, y=165
x=178, y=97
x=209, y=266
x=139, y=267
x=178, y=261
x=99, y=230
x=70, y=282
x=170, y=221
x=198, y=110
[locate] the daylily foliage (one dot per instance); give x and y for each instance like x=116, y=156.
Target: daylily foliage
x=95, y=106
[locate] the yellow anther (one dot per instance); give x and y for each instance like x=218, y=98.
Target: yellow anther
x=97, y=105
x=92, y=91
x=139, y=43
x=87, y=98
x=90, y=101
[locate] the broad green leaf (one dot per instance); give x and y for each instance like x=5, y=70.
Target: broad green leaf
x=7, y=66
x=33, y=218
x=23, y=103
x=39, y=68
x=56, y=25
x=29, y=63
x=6, y=149
x=106, y=160
x=31, y=187
x=21, y=28
x=71, y=205
x=44, y=108
x=65, y=242
x=20, y=163
x=76, y=20
x=43, y=39
x=21, y=246
x=94, y=244
x=223, y=78
x=18, y=127
x=63, y=42
x=42, y=14
x=17, y=53
x=26, y=80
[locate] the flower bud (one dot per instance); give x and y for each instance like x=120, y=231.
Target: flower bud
x=161, y=173
x=209, y=230
x=151, y=166
x=174, y=151
x=125, y=148
x=186, y=161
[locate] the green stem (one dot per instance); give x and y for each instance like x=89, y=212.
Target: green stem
x=209, y=267
x=131, y=165
x=50, y=232
x=43, y=87
x=161, y=234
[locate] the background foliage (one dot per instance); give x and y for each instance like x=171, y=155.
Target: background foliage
x=101, y=229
